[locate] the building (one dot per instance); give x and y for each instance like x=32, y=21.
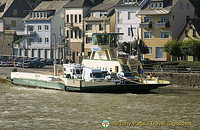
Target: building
x=127, y=19
x=190, y=31
x=163, y=20
x=43, y=28
x=12, y=13
x=75, y=12
x=101, y=19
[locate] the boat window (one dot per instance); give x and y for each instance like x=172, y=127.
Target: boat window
x=79, y=71
x=97, y=75
x=113, y=41
x=102, y=40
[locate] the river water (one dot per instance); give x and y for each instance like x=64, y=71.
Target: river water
x=32, y=108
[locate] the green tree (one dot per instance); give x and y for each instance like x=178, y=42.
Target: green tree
x=125, y=47
x=174, y=48
x=191, y=47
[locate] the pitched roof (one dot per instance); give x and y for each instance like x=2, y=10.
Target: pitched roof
x=105, y=5
x=165, y=10
x=47, y=6
x=196, y=4
x=78, y=3
x=134, y=4
x=195, y=23
x=4, y=5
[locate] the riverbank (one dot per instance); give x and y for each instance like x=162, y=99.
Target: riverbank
x=187, y=80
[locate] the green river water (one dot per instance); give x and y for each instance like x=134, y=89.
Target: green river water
x=32, y=108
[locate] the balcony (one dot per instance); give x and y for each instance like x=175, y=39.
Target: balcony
x=25, y=33
x=73, y=25
x=146, y=25
x=160, y=24
x=39, y=45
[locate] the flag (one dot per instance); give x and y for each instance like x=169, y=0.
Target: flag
x=138, y=34
x=132, y=31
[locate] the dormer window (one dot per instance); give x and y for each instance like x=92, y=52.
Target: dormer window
x=194, y=33
x=129, y=1
x=155, y=5
x=186, y=33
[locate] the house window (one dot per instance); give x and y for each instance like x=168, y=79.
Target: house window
x=88, y=40
x=30, y=28
x=67, y=34
x=45, y=14
x=164, y=19
x=80, y=18
x=186, y=33
x=188, y=6
x=147, y=19
x=164, y=35
x=100, y=27
x=39, y=27
x=156, y=4
x=129, y=15
x=41, y=15
x=76, y=33
x=181, y=5
x=67, y=18
x=150, y=51
x=46, y=40
x=129, y=31
x=160, y=4
x=75, y=19
x=71, y=34
x=46, y=27
x=13, y=23
x=194, y=33
x=14, y=12
x=159, y=52
x=89, y=27
x=80, y=33
x=71, y=18
x=39, y=40
x=152, y=5
x=148, y=35
x=38, y=15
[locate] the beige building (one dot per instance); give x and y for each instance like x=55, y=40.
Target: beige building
x=191, y=31
x=100, y=20
x=163, y=20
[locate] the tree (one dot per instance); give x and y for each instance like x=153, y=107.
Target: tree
x=125, y=47
x=191, y=47
x=174, y=48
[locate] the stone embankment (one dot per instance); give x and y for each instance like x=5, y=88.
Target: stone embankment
x=191, y=80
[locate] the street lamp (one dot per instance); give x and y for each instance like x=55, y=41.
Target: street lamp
x=54, y=64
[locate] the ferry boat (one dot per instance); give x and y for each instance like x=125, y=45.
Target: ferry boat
x=105, y=57
x=88, y=75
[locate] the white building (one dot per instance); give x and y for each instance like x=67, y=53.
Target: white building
x=126, y=16
x=42, y=29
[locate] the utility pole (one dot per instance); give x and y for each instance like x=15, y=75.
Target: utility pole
x=54, y=64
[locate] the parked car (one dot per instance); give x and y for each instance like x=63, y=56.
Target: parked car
x=33, y=64
x=44, y=60
x=19, y=63
x=49, y=62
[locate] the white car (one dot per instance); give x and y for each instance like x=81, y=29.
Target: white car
x=125, y=75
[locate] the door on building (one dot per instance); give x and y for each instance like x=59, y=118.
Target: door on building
x=116, y=69
x=73, y=56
